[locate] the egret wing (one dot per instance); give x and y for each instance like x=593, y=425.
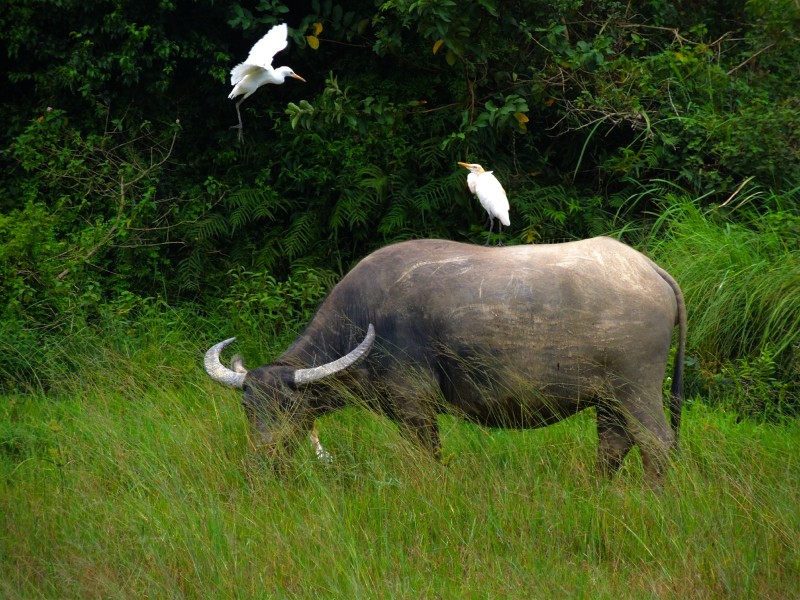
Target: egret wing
x=242, y=70
x=472, y=179
x=263, y=51
x=492, y=196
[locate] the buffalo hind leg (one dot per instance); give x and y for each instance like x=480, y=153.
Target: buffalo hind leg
x=648, y=424
x=614, y=440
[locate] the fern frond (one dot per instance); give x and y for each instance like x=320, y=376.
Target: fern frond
x=190, y=271
x=371, y=177
x=394, y=220
x=251, y=204
x=213, y=225
x=438, y=194
x=352, y=208
x=302, y=234
x=268, y=255
x=430, y=154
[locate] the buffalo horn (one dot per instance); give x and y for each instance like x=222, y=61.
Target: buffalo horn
x=316, y=373
x=217, y=371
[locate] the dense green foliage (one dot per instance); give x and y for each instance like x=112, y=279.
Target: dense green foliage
x=124, y=191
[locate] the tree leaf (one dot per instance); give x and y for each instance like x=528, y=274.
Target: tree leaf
x=313, y=41
x=437, y=45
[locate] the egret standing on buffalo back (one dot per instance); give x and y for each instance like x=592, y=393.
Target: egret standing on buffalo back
x=257, y=70
x=490, y=194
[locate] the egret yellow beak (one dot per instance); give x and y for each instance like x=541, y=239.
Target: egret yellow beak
x=296, y=76
x=466, y=165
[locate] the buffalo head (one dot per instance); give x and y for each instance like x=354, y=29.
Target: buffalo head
x=275, y=396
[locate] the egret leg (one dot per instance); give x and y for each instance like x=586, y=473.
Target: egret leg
x=499, y=233
x=239, y=126
x=491, y=225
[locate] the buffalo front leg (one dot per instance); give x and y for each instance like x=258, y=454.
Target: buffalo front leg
x=424, y=430
x=414, y=410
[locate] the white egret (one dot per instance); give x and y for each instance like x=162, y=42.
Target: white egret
x=490, y=194
x=257, y=70
x=321, y=453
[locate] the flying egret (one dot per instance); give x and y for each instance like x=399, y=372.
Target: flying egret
x=257, y=70
x=490, y=194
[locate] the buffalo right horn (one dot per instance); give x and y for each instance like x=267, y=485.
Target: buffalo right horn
x=316, y=373
x=219, y=372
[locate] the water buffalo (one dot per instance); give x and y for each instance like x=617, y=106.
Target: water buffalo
x=519, y=337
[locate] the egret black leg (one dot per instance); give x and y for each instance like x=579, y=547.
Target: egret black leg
x=491, y=225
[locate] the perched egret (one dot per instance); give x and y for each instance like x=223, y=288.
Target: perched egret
x=490, y=194
x=257, y=70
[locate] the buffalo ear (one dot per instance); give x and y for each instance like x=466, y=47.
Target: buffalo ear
x=312, y=374
x=288, y=379
x=217, y=371
x=237, y=364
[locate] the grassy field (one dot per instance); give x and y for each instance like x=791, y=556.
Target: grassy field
x=134, y=485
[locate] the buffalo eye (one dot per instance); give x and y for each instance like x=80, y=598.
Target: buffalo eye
x=288, y=382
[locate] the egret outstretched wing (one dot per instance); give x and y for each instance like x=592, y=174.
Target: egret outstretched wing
x=265, y=49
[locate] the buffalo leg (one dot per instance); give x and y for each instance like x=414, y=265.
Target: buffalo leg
x=422, y=429
x=648, y=425
x=614, y=440
x=414, y=394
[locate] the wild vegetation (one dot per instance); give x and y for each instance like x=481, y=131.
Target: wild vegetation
x=124, y=187
x=137, y=481
x=135, y=230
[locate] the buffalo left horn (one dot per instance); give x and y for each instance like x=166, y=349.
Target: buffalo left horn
x=316, y=373
x=220, y=373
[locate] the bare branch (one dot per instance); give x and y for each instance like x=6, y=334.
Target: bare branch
x=751, y=57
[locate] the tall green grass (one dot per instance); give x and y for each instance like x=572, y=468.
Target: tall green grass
x=138, y=482
x=740, y=275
